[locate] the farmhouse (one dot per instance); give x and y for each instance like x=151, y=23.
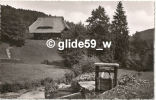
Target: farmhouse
x=48, y=27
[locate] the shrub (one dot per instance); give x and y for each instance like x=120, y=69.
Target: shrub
x=16, y=86
x=130, y=87
x=69, y=76
x=10, y=87
x=61, y=80
x=50, y=87
x=125, y=79
x=77, y=69
x=86, y=64
x=45, y=62
x=140, y=62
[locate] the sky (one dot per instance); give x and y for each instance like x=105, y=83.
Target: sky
x=140, y=14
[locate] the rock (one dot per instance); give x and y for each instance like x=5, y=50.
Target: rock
x=40, y=89
x=9, y=95
x=62, y=85
x=89, y=85
x=86, y=77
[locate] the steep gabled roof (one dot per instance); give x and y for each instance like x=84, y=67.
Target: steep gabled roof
x=53, y=24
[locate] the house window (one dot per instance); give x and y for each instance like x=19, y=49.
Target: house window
x=44, y=27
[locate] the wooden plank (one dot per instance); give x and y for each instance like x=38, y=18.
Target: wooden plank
x=77, y=95
x=104, y=70
x=115, y=75
x=106, y=64
x=96, y=78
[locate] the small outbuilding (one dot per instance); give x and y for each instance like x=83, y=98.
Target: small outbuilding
x=48, y=27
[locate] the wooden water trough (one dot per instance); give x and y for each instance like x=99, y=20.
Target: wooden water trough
x=102, y=83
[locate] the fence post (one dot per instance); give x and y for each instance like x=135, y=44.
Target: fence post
x=96, y=77
x=115, y=75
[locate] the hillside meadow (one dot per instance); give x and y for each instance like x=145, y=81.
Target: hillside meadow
x=33, y=52
x=29, y=72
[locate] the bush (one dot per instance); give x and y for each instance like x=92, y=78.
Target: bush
x=51, y=87
x=77, y=69
x=144, y=51
x=72, y=57
x=9, y=87
x=45, y=62
x=69, y=76
x=143, y=62
x=16, y=86
x=130, y=87
x=86, y=64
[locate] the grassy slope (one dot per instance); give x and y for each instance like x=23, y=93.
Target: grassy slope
x=34, y=51
x=29, y=72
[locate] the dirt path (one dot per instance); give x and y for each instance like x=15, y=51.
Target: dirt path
x=25, y=94
x=33, y=95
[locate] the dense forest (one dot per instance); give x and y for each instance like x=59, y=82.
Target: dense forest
x=15, y=23
x=142, y=50
x=130, y=52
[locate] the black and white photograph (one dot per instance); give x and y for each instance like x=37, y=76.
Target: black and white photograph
x=77, y=49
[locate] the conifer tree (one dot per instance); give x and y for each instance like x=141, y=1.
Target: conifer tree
x=98, y=24
x=99, y=29
x=120, y=32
